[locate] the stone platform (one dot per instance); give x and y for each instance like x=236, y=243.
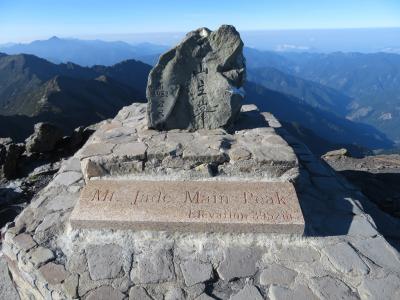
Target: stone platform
x=251, y=159
x=252, y=150
x=349, y=249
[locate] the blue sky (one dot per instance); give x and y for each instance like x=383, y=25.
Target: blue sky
x=25, y=20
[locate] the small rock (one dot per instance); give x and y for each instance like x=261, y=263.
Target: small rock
x=24, y=241
x=105, y=293
x=44, y=138
x=380, y=288
x=361, y=227
x=67, y=178
x=300, y=292
x=195, y=290
x=71, y=285
x=196, y=272
x=77, y=262
x=345, y=259
x=238, y=262
x=48, y=222
x=336, y=153
x=135, y=150
x=249, y=292
x=94, y=149
x=138, y=293
x=154, y=267
x=239, y=153
x=41, y=255
x=91, y=169
x=61, y=202
x=277, y=274
x=104, y=261
x=298, y=254
x=53, y=273
x=380, y=252
x=332, y=288
x=175, y=294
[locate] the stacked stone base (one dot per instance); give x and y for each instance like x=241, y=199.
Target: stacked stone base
x=342, y=253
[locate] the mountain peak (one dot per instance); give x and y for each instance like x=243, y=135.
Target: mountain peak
x=54, y=38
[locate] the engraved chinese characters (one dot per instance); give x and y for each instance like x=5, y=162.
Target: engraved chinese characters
x=194, y=205
x=198, y=84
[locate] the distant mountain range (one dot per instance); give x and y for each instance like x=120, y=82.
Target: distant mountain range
x=362, y=87
x=33, y=89
x=83, y=52
x=326, y=125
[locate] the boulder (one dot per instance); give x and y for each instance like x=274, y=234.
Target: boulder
x=44, y=138
x=198, y=84
x=9, y=155
x=337, y=153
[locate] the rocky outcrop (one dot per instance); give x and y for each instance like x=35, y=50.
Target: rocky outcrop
x=23, y=173
x=198, y=84
x=9, y=155
x=44, y=138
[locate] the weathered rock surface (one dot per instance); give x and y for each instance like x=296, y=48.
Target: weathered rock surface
x=198, y=84
x=44, y=138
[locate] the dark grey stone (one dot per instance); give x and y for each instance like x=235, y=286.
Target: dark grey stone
x=332, y=288
x=196, y=272
x=154, y=268
x=238, y=263
x=9, y=156
x=44, y=138
x=277, y=274
x=105, y=293
x=198, y=84
x=249, y=292
x=104, y=261
x=137, y=292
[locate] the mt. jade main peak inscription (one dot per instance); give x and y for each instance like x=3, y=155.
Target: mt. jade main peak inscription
x=198, y=84
x=190, y=205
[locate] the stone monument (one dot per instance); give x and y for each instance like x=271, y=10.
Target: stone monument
x=198, y=84
x=207, y=168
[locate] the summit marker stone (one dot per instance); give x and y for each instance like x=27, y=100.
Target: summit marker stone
x=198, y=84
x=190, y=206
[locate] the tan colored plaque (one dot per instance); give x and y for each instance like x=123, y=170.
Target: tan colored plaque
x=213, y=206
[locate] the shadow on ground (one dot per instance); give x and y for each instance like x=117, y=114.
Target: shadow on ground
x=330, y=205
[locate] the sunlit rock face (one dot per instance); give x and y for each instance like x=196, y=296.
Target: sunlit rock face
x=198, y=84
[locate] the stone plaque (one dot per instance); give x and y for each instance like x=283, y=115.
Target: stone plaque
x=212, y=206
